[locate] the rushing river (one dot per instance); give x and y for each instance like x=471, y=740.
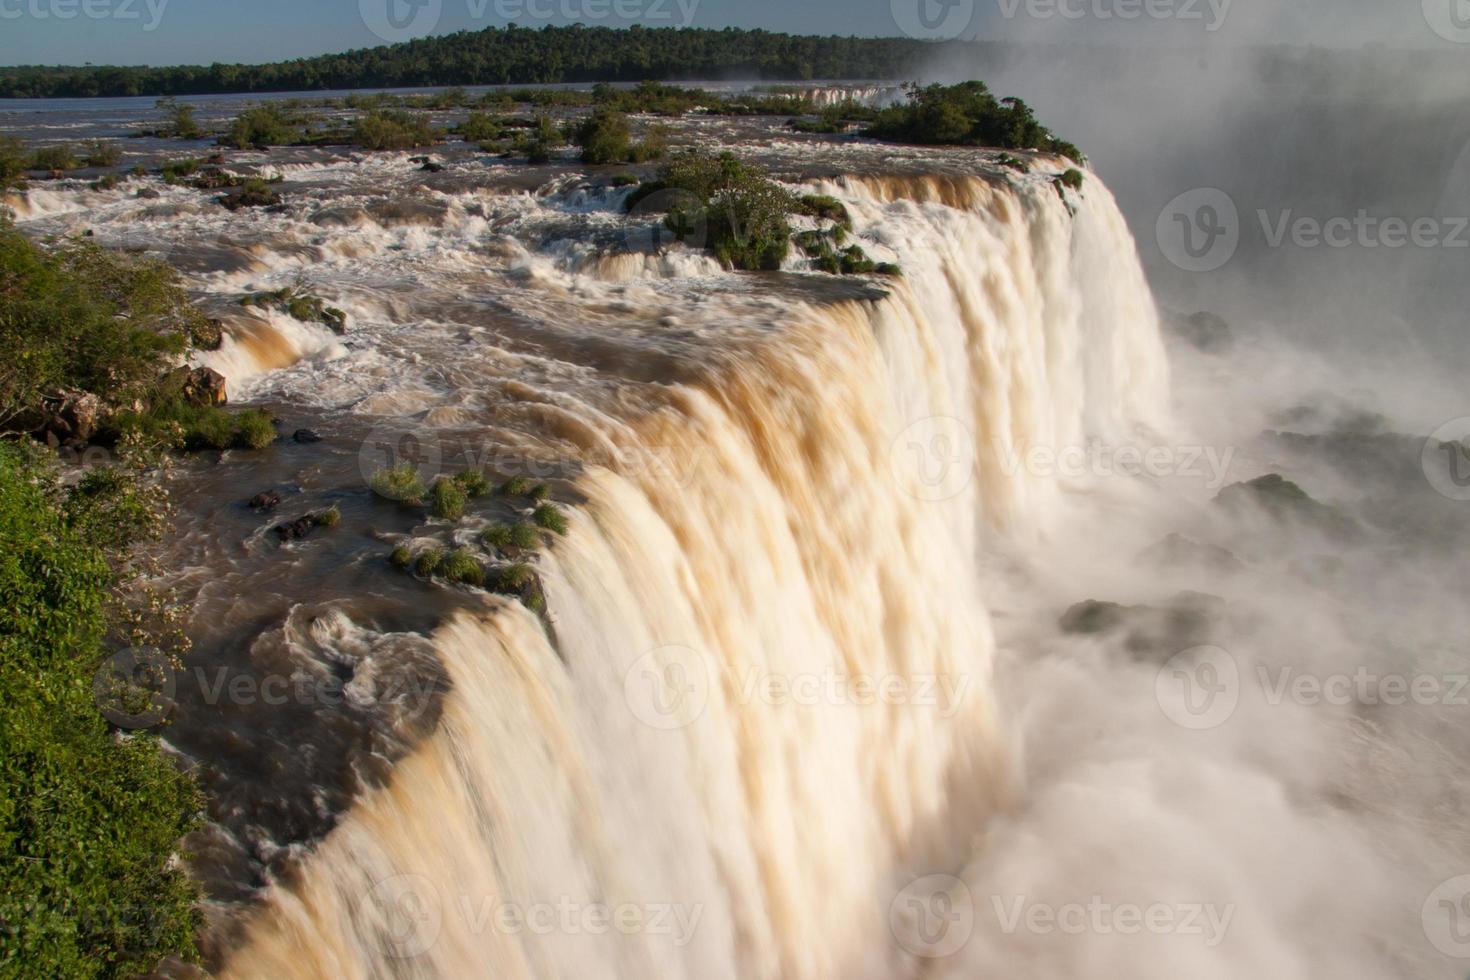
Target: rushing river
x=798, y=687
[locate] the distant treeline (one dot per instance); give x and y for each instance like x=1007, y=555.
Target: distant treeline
x=507, y=56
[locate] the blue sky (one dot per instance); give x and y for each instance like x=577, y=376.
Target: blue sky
x=131, y=32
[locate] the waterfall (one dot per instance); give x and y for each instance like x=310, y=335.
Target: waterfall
x=764, y=701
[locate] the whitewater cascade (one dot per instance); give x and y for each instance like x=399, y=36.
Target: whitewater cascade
x=766, y=703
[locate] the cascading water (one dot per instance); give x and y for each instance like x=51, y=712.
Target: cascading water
x=762, y=698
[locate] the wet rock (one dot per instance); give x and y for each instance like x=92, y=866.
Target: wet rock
x=1204, y=331
x=334, y=319
x=1288, y=505
x=266, y=500
x=1177, y=551
x=201, y=387
x=430, y=167
x=147, y=194
x=69, y=416
x=296, y=530
x=207, y=334
x=1154, y=632
x=306, y=435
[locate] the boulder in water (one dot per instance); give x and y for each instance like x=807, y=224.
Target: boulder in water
x=201, y=387
x=266, y=500
x=1288, y=505
x=1204, y=331
x=1156, y=632
x=306, y=435
x=69, y=415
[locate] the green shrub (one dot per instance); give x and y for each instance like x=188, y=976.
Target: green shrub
x=254, y=429
x=402, y=556
x=513, y=577
x=888, y=269
x=330, y=517
x=447, y=499
x=88, y=822
x=625, y=180
x=523, y=536
x=605, y=137
x=462, y=567
x=480, y=127
x=824, y=208
x=516, y=486
x=401, y=483
x=653, y=146
x=473, y=483
x=390, y=129
x=13, y=160
x=538, y=143
x=53, y=158
x=429, y=562
x=539, y=493
x=177, y=170
x=181, y=123
x=966, y=114
x=1072, y=178
x=100, y=153
x=271, y=124
x=550, y=517
x=745, y=212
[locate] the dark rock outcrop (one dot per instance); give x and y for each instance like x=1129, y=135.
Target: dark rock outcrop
x=1187, y=620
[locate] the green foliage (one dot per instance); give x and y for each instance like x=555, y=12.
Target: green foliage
x=965, y=114
x=514, y=577
x=516, y=486
x=299, y=303
x=744, y=211
x=523, y=536
x=429, y=562
x=254, y=429
x=53, y=158
x=402, y=556
x=13, y=159
x=824, y=208
x=389, y=129
x=605, y=137
x=76, y=316
x=540, y=140
x=254, y=193
x=270, y=124
x=181, y=123
x=462, y=567
x=447, y=499
x=625, y=180
x=539, y=493
x=653, y=146
x=473, y=483
x=480, y=127
x=1072, y=178
x=401, y=483
x=514, y=55
x=177, y=170
x=101, y=153
x=87, y=822
x=330, y=517
x=167, y=422
x=550, y=517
